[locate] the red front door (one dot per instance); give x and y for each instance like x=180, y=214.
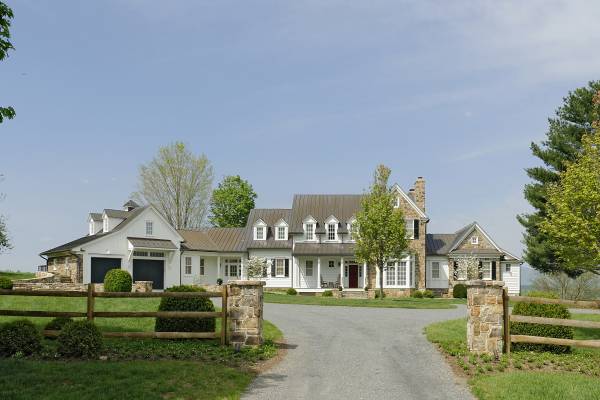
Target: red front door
x=353, y=276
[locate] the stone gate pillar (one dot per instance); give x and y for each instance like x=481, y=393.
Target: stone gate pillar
x=485, y=317
x=245, y=312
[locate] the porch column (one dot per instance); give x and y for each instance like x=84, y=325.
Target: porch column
x=219, y=267
x=342, y=272
x=242, y=268
x=295, y=278
x=319, y=272
x=364, y=275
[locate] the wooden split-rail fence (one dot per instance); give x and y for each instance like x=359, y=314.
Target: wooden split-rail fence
x=508, y=318
x=91, y=313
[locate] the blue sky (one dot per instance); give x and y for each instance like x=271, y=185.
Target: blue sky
x=296, y=97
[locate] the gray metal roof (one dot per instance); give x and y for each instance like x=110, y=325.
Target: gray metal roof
x=321, y=206
x=439, y=243
x=269, y=216
x=148, y=243
x=116, y=213
x=131, y=204
x=129, y=216
x=96, y=216
x=214, y=239
x=324, y=249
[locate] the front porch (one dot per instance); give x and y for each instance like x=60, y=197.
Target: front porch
x=320, y=273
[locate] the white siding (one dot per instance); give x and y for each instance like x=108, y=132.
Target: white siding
x=210, y=269
x=512, y=279
x=442, y=282
x=271, y=281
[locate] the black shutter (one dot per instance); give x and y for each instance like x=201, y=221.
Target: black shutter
x=416, y=228
x=480, y=271
x=287, y=267
x=264, y=271
x=493, y=270
x=272, y=267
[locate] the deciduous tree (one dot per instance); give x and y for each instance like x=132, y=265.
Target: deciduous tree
x=381, y=226
x=231, y=202
x=6, y=14
x=178, y=183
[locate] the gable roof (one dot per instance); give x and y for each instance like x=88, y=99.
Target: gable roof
x=410, y=201
x=96, y=216
x=122, y=214
x=322, y=206
x=128, y=217
x=271, y=217
x=214, y=239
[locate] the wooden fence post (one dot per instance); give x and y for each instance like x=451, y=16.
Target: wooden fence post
x=224, y=316
x=90, y=302
x=506, y=327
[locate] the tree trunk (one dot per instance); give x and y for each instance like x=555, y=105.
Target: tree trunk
x=381, y=282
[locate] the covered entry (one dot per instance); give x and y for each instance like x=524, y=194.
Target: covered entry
x=101, y=265
x=150, y=270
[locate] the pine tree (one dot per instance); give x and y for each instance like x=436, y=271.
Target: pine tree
x=562, y=145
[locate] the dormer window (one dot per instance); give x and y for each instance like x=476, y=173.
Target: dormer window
x=474, y=239
x=105, y=224
x=331, y=231
x=352, y=230
x=149, y=228
x=310, y=231
x=281, y=233
x=281, y=230
x=91, y=232
x=260, y=230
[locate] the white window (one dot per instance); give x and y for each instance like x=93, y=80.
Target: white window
x=92, y=227
x=353, y=231
x=410, y=228
x=279, y=267
x=486, y=270
x=309, y=268
x=331, y=228
x=105, y=225
x=157, y=254
x=188, y=265
x=231, y=267
x=281, y=233
x=202, y=266
x=402, y=273
x=507, y=268
x=390, y=274
x=310, y=231
x=474, y=239
x=149, y=228
x=397, y=202
x=260, y=233
x=435, y=270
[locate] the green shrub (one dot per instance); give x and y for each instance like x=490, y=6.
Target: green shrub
x=377, y=294
x=546, y=311
x=185, y=304
x=291, y=292
x=117, y=280
x=57, y=324
x=5, y=283
x=219, y=281
x=327, y=293
x=428, y=294
x=80, y=339
x=459, y=291
x=19, y=337
x=418, y=294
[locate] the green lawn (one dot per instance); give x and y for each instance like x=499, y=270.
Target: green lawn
x=402, y=302
x=12, y=275
x=525, y=375
x=180, y=369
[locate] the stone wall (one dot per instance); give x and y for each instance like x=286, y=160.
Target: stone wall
x=245, y=312
x=67, y=266
x=485, y=317
x=55, y=284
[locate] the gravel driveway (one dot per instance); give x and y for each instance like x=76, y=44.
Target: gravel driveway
x=357, y=353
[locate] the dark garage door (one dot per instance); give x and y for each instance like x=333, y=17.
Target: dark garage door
x=150, y=270
x=101, y=265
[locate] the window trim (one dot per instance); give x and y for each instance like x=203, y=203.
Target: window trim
x=278, y=231
x=312, y=226
x=475, y=239
x=434, y=265
x=483, y=268
x=149, y=223
x=277, y=260
x=410, y=233
x=202, y=269
x=260, y=229
x=188, y=266
x=330, y=232
x=306, y=268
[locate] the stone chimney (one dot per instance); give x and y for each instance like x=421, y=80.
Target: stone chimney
x=419, y=193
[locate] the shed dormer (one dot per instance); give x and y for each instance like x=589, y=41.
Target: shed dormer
x=281, y=230
x=331, y=228
x=260, y=230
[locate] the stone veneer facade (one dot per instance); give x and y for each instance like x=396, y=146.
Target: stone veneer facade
x=69, y=266
x=485, y=317
x=245, y=313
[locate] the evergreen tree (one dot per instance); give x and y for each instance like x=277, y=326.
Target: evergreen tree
x=562, y=145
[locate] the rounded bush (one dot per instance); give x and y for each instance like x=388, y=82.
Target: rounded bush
x=428, y=294
x=5, y=283
x=19, y=336
x=185, y=304
x=117, y=280
x=57, y=324
x=219, y=281
x=418, y=294
x=327, y=293
x=459, y=291
x=291, y=292
x=541, y=310
x=80, y=339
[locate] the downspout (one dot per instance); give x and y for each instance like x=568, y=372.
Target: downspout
x=180, y=256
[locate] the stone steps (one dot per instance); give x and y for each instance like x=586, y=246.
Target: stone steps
x=359, y=294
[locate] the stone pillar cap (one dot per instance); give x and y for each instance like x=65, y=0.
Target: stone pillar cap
x=246, y=283
x=482, y=282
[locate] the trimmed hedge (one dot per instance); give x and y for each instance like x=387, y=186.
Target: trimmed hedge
x=327, y=293
x=189, y=304
x=423, y=294
x=291, y=292
x=80, y=339
x=57, y=324
x=546, y=311
x=19, y=336
x=459, y=291
x=5, y=283
x=117, y=280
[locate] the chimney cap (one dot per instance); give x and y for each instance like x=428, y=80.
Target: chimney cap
x=419, y=177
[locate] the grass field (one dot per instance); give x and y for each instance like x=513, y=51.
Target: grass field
x=12, y=275
x=526, y=375
x=138, y=368
x=402, y=302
